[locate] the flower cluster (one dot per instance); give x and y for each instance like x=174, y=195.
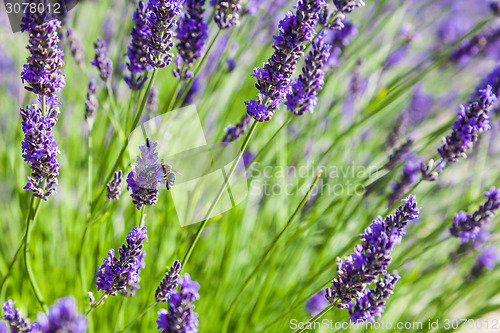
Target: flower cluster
x=372, y=257
x=91, y=104
x=273, y=79
x=234, y=133
x=136, y=52
x=17, y=322
x=146, y=176
x=43, y=72
x=372, y=304
x=472, y=121
x=101, y=60
x=63, y=316
x=168, y=284
x=347, y=6
x=191, y=33
x=114, y=187
x=40, y=149
x=75, y=47
x=467, y=227
x=160, y=19
x=304, y=89
x=227, y=13
x=122, y=274
x=180, y=316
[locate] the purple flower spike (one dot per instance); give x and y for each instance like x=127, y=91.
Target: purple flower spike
x=227, y=13
x=146, y=176
x=40, y=150
x=114, y=188
x=316, y=303
x=91, y=104
x=63, y=317
x=101, y=60
x=75, y=47
x=467, y=227
x=168, y=284
x=274, y=78
x=191, y=33
x=472, y=121
x=136, y=52
x=487, y=260
x=122, y=274
x=180, y=316
x=161, y=22
x=372, y=257
x=43, y=72
x=303, y=96
x=17, y=322
x=234, y=133
x=372, y=304
x=347, y=6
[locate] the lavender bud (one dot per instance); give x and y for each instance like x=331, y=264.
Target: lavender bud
x=317, y=303
x=169, y=283
x=227, y=13
x=75, y=47
x=63, y=317
x=101, y=60
x=91, y=104
x=152, y=102
x=122, y=274
x=114, y=188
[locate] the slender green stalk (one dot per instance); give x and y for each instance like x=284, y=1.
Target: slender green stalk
x=168, y=107
x=96, y=304
x=142, y=217
x=316, y=317
x=270, y=248
x=31, y=219
x=146, y=309
x=114, y=116
x=9, y=270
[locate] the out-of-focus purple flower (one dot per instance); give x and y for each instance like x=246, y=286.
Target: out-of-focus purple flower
x=115, y=186
x=180, y=316
x=136, y=52
x=452, y=27
x=227, y=13
x=399, y=128
x=101, y=60
x=43, y=72
x=75, y=46
x=191, y=33
x=372, y=256
x=475, y=45
x=146, y=176
x=192, y=92
x=122, y=274
x=339, y=39
x=273, y=79
x=40, y=150
x=485, y=261
x=234, y=133
x=467, y=227
x=248, y=157
x=411, y=173
x=372, y=304
x=347, y=6
x=396, y=56
x=316, y=303
x=304, y=89
x=399, y=154
x=152, y=102
x=91, y=104
x=17, y=322
x=357, y=88
x=169, y=283
x=63, y=317
x=472, y=121
x=420, y=105
x=161, y=21
x=3, y=327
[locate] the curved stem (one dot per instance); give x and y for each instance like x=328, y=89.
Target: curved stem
x=268, y=251
x=316, y=318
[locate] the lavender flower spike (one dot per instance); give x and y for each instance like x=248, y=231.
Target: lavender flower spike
x=91, y=104
x=303, y=96
x=180, y=317
x=17, y=322
x=372, y=257
x=472, y=121
x=75, y=47
x=467, y=227
x=63, y=317
x=273, y=79
x=43, y=72
x=347, y=6
x=137, y=53
x=227, y=13
x=101, y=60
x=160, y=18
x=191, y=33
x=169, y=283
x=40, y=149
x=114, y=188
x=372, y=304
x=122, y=274
x=234, y=133
x=146, y=176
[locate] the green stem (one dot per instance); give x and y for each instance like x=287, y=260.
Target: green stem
x=316, y=318
x=146, y=309
x=114, y=116
x=96, y=304
x=142, y=216
x=173, y=98
x=219, y=195
x=9, y=270
x=31, y=219
x=268, y=251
